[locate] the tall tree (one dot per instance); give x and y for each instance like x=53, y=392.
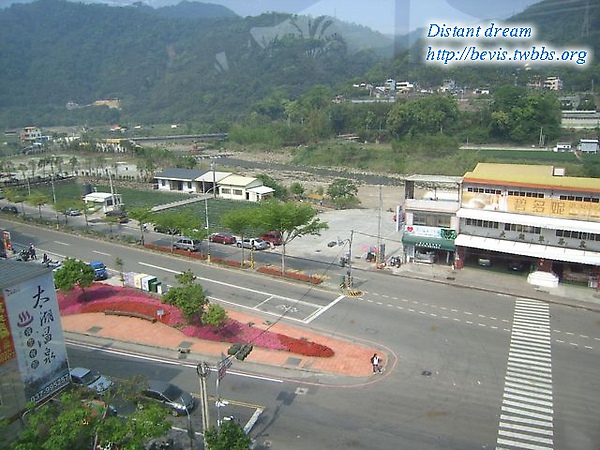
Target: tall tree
x=142, y=216
x=291, y=220
x=38, y=199
x=74, y=272
x=240, y=222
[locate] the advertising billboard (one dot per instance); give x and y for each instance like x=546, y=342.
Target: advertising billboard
x=31, y=332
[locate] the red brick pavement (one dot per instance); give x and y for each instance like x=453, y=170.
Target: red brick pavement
x=350, y=358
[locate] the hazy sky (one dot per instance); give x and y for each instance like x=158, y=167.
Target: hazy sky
x=387, y=16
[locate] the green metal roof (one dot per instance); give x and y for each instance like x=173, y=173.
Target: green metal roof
x=429, y=242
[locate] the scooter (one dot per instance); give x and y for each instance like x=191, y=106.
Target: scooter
x=24, y=255
x=47, y=262
x=395, y=261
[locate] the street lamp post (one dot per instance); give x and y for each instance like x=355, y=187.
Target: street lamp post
x=54, y=198
x=349, y=281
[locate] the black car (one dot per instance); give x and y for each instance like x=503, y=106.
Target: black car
x=121, y=216
x=180, y=401
x=11, y=209
x=516, y=266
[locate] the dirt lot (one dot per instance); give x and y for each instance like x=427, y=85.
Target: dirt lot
x=370, y=196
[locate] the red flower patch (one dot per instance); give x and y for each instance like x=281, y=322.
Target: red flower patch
x=102, y=297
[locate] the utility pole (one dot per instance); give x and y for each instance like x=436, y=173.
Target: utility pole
x=207, y=231
x=378, y=255
x=203, y=371
x=350, y=280
x=224, y=364
x=212, y=167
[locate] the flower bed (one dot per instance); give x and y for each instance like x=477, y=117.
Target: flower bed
x=176, y=251
x=270, y=270
x=102, y=297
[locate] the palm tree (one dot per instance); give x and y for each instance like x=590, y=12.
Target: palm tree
x=74, y=163
x=32, y=166
x=23, y=168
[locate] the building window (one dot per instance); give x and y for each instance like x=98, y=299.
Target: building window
x=238, y=192
x=526, y=194
x=163, y=182
x=578, y=235
x=522, y=228
x=225, y=191
x=484, y=190
x=482, y=223
x=432, y=220
x=580, y=199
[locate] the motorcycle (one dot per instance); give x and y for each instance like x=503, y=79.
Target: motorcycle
x=24, y=255
x=395, y=261
x=50, y=263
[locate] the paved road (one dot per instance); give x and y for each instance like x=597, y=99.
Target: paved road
x=476, y=369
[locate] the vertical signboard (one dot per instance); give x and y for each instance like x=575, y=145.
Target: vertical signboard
x=7, y=347
x=33, y=317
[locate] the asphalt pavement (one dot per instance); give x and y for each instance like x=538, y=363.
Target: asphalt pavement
x=351, y=233
x=350, y=364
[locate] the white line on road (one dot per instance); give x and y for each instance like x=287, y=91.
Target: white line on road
x=100, y=253
x=320, y=311
x=62, y=243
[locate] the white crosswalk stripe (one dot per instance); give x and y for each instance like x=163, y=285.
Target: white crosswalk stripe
x=526, y=420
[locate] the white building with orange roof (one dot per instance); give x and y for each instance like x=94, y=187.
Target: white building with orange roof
x=531, y=218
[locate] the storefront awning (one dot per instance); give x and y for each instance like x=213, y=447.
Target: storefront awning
x=529, y=249
x=428, y=242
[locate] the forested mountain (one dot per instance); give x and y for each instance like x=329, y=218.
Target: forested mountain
x=163, y=69
x=200, y=63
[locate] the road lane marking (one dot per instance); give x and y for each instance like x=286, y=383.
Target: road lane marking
x=320, y=311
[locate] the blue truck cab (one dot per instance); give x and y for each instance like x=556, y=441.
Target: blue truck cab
x=100, y=272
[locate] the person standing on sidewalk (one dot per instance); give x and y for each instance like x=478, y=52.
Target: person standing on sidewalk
x=376, y=363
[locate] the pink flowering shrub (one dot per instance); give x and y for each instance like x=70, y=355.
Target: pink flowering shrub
x=103, y=297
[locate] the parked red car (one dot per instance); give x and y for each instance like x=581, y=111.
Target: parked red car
x=222, y=238
x=272, y=237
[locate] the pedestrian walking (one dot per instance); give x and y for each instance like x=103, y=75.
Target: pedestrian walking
x=376, y=363
x=32, y=254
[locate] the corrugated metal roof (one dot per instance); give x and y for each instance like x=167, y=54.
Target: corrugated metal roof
x=13, y=272
x=209, y=176
x=179, y=174
x=529, y=175
x=445, y=179
x=237, y=180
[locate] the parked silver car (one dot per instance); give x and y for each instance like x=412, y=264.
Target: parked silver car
x=256, y=243
x=191, y=245
x=90, y=379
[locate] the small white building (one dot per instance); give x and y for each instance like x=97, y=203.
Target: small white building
x=589, y=146
x=562, y=147
x=104, y=201
x=553, y=83
x=237, y=187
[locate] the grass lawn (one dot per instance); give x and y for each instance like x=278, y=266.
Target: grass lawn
x=135, y=198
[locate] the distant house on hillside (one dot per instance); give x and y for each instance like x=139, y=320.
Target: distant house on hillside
x=181, y=180
x=223, y=184
x=562, y=147
x=29, y=135
x=589, y=146
x=237, y=187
